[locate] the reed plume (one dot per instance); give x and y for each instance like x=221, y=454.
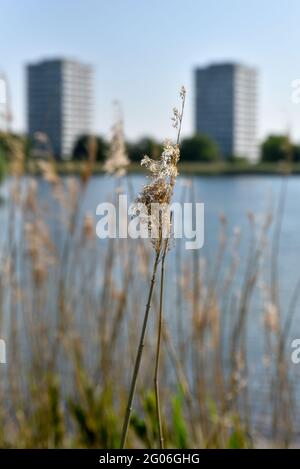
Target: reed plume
x=117, y=158
x=159, y=192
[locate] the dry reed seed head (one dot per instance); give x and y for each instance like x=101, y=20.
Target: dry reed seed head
x=159, y=191
x=118, y=293
x=32, y=245
x=262, y=286
x=271, y=317
x=17, y=156
x=182, y=92
x=251, y=217
x=223, y=219
x=88, y=227
x=178, y=115
x=143, y=266
x=176, y=118
x=15, y=191
x=240, y=363
x=73, y=190
x=42, y=151
x=266, y=361
x=163, y=173
x=40, y=248
x=117, y=159
x=31, y=196
x=59, y=194
x=268, y=220
x=48, y=171
x=39, y=273
x=223, y=229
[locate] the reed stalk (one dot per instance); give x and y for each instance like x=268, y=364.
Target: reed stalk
x=158, y=346
x=139, y=354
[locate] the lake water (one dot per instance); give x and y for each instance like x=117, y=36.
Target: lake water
x=234, y=197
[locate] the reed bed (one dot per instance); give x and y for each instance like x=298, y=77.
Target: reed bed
x=71, y=312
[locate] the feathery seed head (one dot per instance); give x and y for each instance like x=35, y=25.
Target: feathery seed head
x=117, y=159
x=159, y=191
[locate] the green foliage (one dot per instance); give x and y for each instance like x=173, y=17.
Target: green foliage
x=145, y=427
x=45, y=421
x=199, y=148
x=278, y=148
x=7, y=144
x=2, y=167
x=139, y=427
x=237, y=160
x=144, y=146
x=275, y=148
x=180, y=432
x=238, y=438
x=4, y=145
x=92, y=410
x=296, y=153
x=14, y=151
x=81, y=148
x=212, y=410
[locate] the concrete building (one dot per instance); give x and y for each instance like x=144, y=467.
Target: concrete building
x=226, y=107
x=59, y=102
x=4, y=104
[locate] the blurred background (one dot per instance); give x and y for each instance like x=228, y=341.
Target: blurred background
x=86, y=90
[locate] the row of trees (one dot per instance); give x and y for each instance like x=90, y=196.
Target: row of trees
x=279, y=148
x=198, y=148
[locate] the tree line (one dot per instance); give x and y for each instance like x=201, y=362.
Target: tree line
x=197, y=148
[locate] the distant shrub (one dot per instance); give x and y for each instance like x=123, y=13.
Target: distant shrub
x=199, y=148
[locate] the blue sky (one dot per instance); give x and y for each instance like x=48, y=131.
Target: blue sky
x=143, y=50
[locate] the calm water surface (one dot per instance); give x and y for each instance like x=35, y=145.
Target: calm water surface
x=234, y=197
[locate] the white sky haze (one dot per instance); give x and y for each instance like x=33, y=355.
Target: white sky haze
x=143, y=51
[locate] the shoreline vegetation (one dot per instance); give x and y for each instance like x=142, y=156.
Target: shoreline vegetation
x=199, y=156
x=76, y=395
x=185, y=168
x=111, y=349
